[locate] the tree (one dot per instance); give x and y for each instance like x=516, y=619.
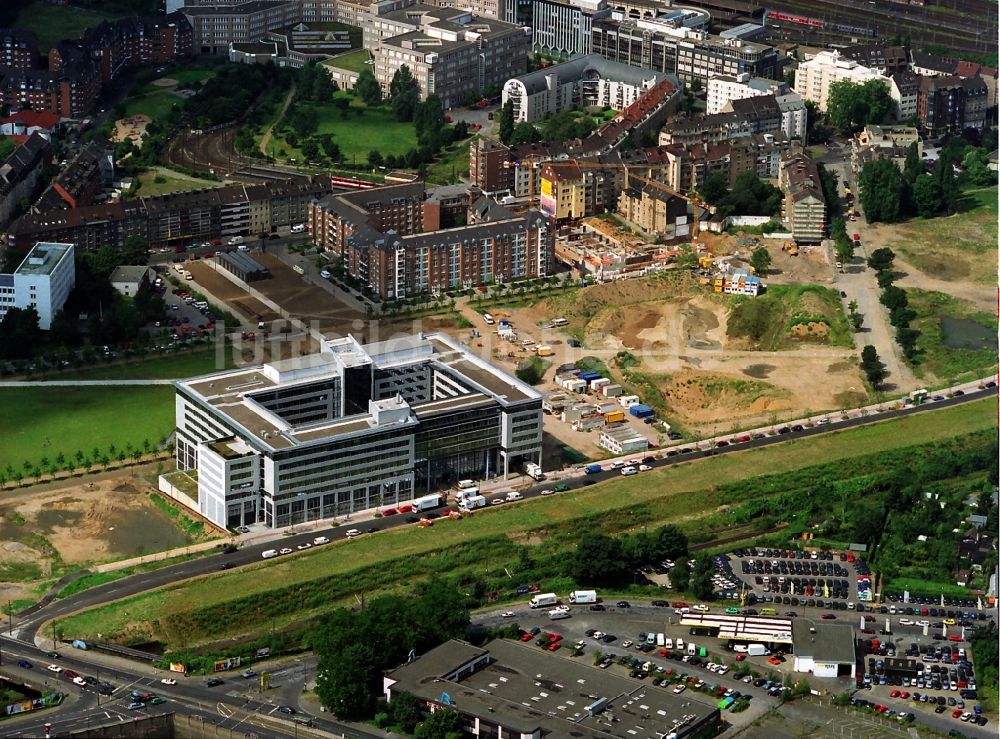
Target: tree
x=696, y=85
x=926, y=196
x=872, y=367
x=135, y=250
x=406, y=711
x=977, y=170
x=701, y=585
x=856, y=319
x=882, y=189
x=760, y=260
x=505, y=122
x=374, y=159
x=881, y=259
x=913, y=167
x=404, y=94
x=851, y=106
x=715, y=187
x=367, y=87
x=599, y=560
x=310, y=150
x=680, y=575
x=525, y=133
x=893, y=297
x=444, y=723
x=944, y=174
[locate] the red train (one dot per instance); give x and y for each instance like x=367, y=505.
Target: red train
x=351, y=182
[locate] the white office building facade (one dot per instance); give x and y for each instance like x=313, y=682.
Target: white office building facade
x=814, y=77
x=351, y=428
x=42, y=281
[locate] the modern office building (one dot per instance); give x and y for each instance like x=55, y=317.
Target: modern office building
x=690, y=54
x=563, y=29
x=42, y=281
x=350, y=428
x=586, y=81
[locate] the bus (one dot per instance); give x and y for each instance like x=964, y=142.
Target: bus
x=768, y=612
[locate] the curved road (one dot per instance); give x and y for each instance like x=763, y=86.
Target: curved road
x=27, y=627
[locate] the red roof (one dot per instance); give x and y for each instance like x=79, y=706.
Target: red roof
x=33, y=118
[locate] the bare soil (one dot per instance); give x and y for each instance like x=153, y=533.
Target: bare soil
x=133, y=128
x=82, y=523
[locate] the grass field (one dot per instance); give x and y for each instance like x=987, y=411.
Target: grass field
x=54, y=420
x=365, y=129
x=176, y=366
x=943, y=321
x=958, y=247
x=154, y=183
x=353, y=61
x=155, y=104
x=792, y=308
x=53, y=23
x=451, y=165
x=684, y=493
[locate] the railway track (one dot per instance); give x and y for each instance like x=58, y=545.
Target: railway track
x=970, y=27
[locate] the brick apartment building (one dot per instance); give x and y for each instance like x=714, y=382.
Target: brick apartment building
x=380, y=235
x=804, y=208
x=78, y=69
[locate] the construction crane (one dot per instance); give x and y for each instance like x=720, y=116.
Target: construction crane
x=534, y=161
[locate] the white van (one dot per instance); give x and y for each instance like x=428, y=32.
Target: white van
x=680, y=645
x=268, y=553
x=630, y=470
x=488, y=319
x=298, y=228
x=513, y=495
x=651, y=638
x=466, y=484
x=557, y=614
x=668, y=643
x=659, y=640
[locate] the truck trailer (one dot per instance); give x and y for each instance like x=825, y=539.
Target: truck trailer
x=543, y=599
x=583, y=596
x=427, y=502
x=534, y=471
x=472, y=502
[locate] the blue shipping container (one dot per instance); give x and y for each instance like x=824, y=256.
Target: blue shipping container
x=590, y=375
x=640, y=410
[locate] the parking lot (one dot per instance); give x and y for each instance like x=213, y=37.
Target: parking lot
x=795, y=577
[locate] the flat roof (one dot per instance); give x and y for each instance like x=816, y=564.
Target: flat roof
x=232, y=393
x=525, y=689
x=43, y=258
x=824, y=642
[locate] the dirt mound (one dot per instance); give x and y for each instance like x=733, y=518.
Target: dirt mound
x=696, y=395
x=125, y=487
x=759, y=371
x=811, y=331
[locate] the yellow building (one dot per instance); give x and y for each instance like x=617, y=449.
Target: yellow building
x=563, y=192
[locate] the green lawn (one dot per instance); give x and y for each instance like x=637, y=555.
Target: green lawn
x=43, y=422
x=353, y=61
x=156, y=105
x=154, y=183
x=683, y=493
x=362, y=131
x=176, y=366
x=958, y=247
x=53, y=23
x=955, y=339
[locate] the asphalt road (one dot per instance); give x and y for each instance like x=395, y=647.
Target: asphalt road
x=27, y=626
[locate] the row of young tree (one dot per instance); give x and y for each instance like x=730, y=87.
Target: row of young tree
x=79, y=460
x=895, y=300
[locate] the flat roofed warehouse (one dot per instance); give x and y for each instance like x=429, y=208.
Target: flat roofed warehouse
x=351, y=428
x=242, y=265
x=511, y=689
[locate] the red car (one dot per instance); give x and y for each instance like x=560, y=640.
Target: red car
x=955, y=637
x=744, y=438
x=679, y=604
x=405, y=509
x=828, y=616
x=389, y=512
x=555, y=637
x=894, y=694
x=905, y=694
x=554, y=646
x=739, y=657
x=525, y=636
x=957, y=713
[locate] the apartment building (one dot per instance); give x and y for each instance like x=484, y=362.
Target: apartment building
x=381, y=236
x=803, y=209
x=351, y=428
x=79, y=181
x=18, y=48
x=564, y=191
x=883, y=142
x=175, y=218
x=903, y=91
x=814, y=77
x=42, y=281
x=886, y=60
x=450, y=52
x=654, y=211
x=722, y=88
x=490, y=166
x=21, y=173
x=951, y=103
x=582, y=82
x=79, y=68
x=691, y=55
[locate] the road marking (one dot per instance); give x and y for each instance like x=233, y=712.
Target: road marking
x=223, y=708
x=272, y=710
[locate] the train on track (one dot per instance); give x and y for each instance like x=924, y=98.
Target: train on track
x=778, y=19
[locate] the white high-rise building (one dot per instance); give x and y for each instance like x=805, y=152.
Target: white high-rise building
x=42, y=281
x=814, y=77
x=723, y=87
